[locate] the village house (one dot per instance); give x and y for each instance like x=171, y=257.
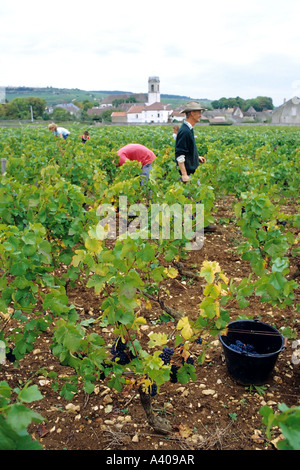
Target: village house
x=177, y=116
x=119, y=116
x=157, y=112
x=69, y=107
x=135, y=114
x=287, y=113
x=237, y=115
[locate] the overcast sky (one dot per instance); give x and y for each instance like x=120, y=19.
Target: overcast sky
x=199, y=49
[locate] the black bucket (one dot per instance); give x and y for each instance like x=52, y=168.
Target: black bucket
x=254, y=364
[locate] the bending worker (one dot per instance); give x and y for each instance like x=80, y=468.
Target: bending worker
x=139, y=153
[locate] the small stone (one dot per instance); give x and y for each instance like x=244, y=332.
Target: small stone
x=107, y=399
x=208, y=391
x=257, y=436
x=108, y=409
x=278, y=379
x=44, y=382
x=109, y=421
x=72, y=408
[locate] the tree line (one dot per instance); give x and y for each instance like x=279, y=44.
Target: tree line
x=259, y=103
x=35, y=108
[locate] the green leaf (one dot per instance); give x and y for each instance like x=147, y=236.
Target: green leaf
x=30, y=394
x=97, y=282
x=186, y=373
x=116, y=383
x=19, y=417
x=18, y=269
x=5, y=390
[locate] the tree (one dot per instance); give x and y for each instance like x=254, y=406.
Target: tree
x=87, y=104
x=106, y=115
x=20, y=108
x=263, y=102
x=60, y=114
x=131, y=99
x=259, y=103
x=117, y=102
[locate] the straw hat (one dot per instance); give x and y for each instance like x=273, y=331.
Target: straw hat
x=192, y=106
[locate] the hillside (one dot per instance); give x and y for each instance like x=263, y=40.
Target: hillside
x=58, y=95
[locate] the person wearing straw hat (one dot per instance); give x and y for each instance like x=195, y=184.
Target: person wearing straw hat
x=186, y=152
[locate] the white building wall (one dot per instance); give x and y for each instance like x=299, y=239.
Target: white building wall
x=156, y=116
x=135, y=117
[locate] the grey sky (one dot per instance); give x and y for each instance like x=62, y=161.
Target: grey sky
x=198, y=49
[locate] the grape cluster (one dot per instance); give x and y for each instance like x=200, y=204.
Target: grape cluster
x=152, y=390
x=173, y=374
x=241, y=347
x=166, y=355
x=190, y=360
x=199, y=340
x=119, y=352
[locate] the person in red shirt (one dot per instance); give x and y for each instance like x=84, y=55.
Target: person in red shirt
x=139, y=153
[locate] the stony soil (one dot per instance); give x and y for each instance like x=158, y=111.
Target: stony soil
x=213, y=413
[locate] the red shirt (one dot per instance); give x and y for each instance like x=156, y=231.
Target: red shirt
x=137, y=152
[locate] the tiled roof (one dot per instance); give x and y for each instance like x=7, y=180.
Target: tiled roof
x=136, y=109
x=158, y=106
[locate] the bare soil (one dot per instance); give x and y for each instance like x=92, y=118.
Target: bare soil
x=212, y=413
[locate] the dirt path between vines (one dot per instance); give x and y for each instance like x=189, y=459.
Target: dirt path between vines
x=213, y=413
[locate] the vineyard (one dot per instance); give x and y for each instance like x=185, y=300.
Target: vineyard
x=112, y=342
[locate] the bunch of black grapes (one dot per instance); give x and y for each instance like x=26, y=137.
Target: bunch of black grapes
x=166, y=356
x=120, y=352
x=152, y=389
x=242, y=348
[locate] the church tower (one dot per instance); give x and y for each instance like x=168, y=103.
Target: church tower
x=153, y=90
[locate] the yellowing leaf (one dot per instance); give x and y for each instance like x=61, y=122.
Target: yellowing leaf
x=171, y=272
x=217, y=306
x=93, y=245
x=78, y=257
x=184, y=431
x=5, y=316
x=139, y=321
x=213, y=290
x=158, y=339
x=101, y=270
x=224, y=278
x=185, y=327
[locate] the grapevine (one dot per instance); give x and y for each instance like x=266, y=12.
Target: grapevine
x=49, y=215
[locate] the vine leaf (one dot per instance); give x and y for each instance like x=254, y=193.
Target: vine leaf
x=157, y=339
x=185, y=327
